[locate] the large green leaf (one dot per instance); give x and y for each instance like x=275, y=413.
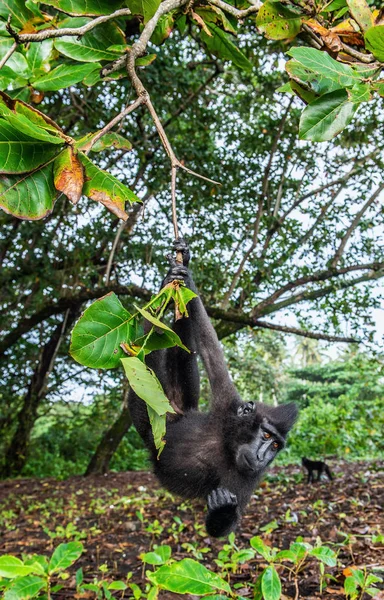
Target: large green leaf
x=91, y=8
x=93, y=46
x=374, y=40
x=270, y=584
x=17, y=62
x=326, y=117
x=25, y=588
x=277, y=22
x=17, y=9
x=34, y=115
x=114, y=140
x=323, y=64
x=21, y=123
x=30, y=196
x=20, y=153
x=103, y=187
x=12, y=567
x=38, y=55
x=146, y=385
x=188, y=577
x=97, y=335
x=63, y=76
x=146, y=8
x=171, y=334
x=64, y=556
x=162, y=30
x=222, y=46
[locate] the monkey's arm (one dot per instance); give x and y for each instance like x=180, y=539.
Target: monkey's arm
x=202, y=335
x=223, y=512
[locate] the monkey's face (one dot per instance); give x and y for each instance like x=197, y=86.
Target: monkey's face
x=263, y=443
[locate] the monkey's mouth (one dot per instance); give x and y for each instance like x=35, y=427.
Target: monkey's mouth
x=246, y=462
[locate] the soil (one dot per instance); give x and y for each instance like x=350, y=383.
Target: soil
x=121, y=515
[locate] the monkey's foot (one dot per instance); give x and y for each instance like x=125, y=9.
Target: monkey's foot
x=177, y=271
x=180, y=245
x=223, y=513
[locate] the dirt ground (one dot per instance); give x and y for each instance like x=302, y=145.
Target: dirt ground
x=121, y=515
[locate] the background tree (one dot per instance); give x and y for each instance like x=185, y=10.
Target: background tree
x=292, y=231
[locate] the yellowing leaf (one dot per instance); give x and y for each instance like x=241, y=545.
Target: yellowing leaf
x=69, y=174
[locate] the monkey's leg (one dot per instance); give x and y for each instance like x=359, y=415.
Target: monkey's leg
x=328, y=472
x=309, y=478
x=319, y=473
x=223, y=512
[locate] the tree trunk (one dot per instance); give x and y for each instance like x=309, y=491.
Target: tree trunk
x=17, y=451
x=99, y=463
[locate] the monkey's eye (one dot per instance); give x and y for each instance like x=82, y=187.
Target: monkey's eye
x=275, y=445
x=266, y=435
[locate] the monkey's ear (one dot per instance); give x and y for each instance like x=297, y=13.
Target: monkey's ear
x=285, y=416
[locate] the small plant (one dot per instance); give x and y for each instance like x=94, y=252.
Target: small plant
x=359, y=582
x=27, y=578
x=68, y=532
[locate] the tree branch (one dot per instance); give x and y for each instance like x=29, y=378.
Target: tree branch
x=307, y=334
x=46, y=34
x=239, y=14
x=8, y=55
x=353, y=225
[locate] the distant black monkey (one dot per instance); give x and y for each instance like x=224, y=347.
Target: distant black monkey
x=220, y=455
x=316, y=465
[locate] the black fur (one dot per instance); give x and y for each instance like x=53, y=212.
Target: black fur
x=316, y=465
x=220, y=455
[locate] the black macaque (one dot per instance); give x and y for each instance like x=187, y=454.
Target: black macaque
x=220, y=455
x=316, y=465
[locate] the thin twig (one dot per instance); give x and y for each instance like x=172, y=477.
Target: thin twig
x=46, y=34
x=365, y=58
x=239, y=14
x=307, y=334
x=115, y=120
x=8, y=55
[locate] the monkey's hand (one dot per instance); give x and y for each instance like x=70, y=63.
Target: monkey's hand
x=180, y=245
x=223, y=513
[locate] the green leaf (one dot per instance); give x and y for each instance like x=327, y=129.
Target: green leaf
x=181, y=296
x=221, y=45
x=105, y=188
x=17, y=62
x=374, y=41
x=158, y=426
x=158, y=557
x=171, y=334
x=335, y=5
x=21, y=123
x=188, y=577
x=17, y=9
x=34, y=115
x=93, y=46
x=146, y=385
x=305, y=95
x=162, y=30
x=11, y=567
x=350, y=587
x=31, y=196
x=38, y=54
x=144, y=61
x=361, y=12
x=117, y=585
x=64, y=76
x=260, y=547
x=270, y=584
x=322, y=64
x=92, y=8
x=97, y=335
x=303, y=75
x=326, y=117
x=277, y=22
x=326, y=555
x=64, y=556
x=286, y=555
x=114, y=140
x=25, y=588
x=146, y=8
x=20, y=153
x=360, y=92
